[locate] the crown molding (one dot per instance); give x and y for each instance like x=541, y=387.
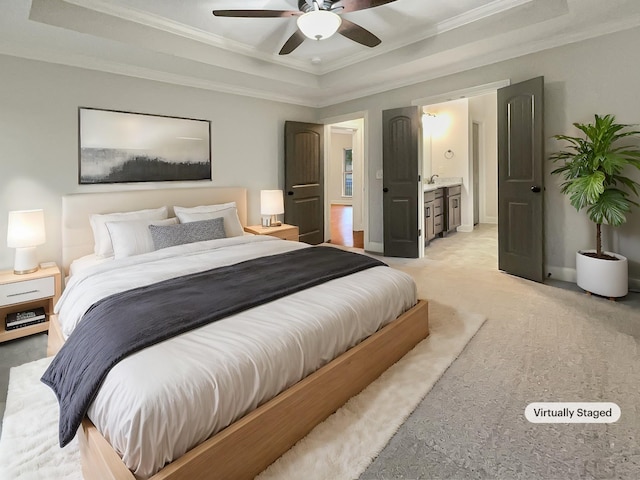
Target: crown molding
x=176, y=28
x=489, y=59
x=98, y=64
x=479, y=13
x=318, y=97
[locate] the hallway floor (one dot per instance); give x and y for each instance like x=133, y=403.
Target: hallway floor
x=342, y=227
x=478, y=248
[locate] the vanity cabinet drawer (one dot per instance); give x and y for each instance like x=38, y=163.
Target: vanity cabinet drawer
x=437, y=225
x=432, y=195
x=26, y=291
x=454, y=190
x=437, y=206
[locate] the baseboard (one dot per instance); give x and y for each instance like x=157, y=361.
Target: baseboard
x=491, y=220
x=465, y=228
x=566, y=274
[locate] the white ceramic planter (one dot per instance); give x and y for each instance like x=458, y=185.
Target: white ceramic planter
x=609, y=278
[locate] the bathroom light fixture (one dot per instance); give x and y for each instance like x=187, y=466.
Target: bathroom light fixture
x=25, y=231
x=319, y=24
x=429, y=122
x=271, y=203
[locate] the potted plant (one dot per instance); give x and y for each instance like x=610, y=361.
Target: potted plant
x=593, y=169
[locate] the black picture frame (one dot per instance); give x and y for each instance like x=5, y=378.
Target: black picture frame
x=128, y=147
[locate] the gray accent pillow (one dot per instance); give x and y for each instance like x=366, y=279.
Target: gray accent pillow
x=170, y=235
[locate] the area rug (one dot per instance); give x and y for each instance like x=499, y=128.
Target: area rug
x=339, y=448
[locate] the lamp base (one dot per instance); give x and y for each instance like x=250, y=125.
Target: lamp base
x=273, y=221
x=26, y=261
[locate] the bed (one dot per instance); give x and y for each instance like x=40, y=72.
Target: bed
x=271, y=422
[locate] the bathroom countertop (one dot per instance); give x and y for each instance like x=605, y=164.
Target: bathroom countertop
x=442, y=183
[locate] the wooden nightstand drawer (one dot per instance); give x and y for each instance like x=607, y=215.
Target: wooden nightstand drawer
x=289, y=234
x=20, y=293
x=285, y=232
x=27, y=291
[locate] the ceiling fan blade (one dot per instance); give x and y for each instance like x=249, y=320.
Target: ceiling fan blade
x=358, y=34
x=257, y=13
x=346, y=6
x=294, y=42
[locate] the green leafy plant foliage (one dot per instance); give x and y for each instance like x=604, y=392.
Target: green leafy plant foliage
x=593, y=172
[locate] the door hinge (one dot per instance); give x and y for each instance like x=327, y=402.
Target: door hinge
x=419, y=178
x=419, y=233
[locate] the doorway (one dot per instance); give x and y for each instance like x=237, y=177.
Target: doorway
x=460, y=145
x=344, y=168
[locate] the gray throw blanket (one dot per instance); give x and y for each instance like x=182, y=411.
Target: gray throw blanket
x=124, y=323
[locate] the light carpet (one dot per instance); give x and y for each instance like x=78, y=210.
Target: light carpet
x=540, y=344
x=339, y=448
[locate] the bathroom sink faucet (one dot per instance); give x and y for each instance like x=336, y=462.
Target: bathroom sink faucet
x=432, y=179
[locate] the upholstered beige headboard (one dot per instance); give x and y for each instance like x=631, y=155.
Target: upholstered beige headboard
x=77, y=236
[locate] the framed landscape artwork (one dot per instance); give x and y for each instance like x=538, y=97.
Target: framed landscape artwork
x=119, y=147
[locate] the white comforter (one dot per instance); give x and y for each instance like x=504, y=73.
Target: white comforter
x=157, y=404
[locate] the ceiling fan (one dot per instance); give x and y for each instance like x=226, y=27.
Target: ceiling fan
x=318, y=20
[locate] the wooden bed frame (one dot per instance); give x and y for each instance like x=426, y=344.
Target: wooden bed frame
x=248, y=446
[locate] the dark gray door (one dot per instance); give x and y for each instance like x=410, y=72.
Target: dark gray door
x=521, y=180
x=303, y=179
x=400, y=130
x=476, y=171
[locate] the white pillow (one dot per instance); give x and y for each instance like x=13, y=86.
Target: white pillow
x=103, y=246
x=228, y=211
x=132, y=237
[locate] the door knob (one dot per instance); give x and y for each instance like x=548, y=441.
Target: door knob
x=289, y=193
x=535, y=189
x=385, y=189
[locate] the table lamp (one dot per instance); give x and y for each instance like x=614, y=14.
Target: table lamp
x=271, y=203
x=25, y=231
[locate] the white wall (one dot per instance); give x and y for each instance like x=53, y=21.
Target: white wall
x=38, y=132
x=39, y=137
x=593, y=76
x=483, y=110
x=339, y=142
x=451, y=133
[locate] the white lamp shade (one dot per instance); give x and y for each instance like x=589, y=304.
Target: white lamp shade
x=25, y=229
x=319, y=24
x=271, y=202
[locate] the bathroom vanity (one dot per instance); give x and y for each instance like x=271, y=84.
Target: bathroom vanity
x=442, y=208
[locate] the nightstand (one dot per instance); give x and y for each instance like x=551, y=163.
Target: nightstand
x=25, y=292
x=285, y=232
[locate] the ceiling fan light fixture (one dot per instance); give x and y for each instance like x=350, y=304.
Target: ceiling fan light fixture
x=319, y=24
